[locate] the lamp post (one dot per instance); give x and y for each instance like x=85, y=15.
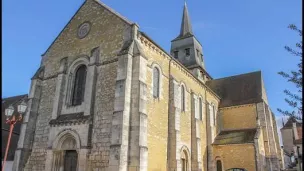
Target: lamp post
x=12, y=119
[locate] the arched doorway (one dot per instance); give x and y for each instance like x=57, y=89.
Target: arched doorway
x=70, y=160
x=65, y=153
x=70, y=154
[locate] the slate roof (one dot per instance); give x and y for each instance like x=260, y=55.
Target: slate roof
x=6, y=102
x=289, y=122
x=235, y=137
x=239, y=89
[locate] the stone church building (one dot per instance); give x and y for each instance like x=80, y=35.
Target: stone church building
x=108, y=98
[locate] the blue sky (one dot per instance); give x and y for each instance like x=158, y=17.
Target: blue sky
x=238, y=36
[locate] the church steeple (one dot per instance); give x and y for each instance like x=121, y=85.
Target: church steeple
x=186, y=28
x=187, y=49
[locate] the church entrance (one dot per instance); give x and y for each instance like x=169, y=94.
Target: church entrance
x=70, y=160
x=66, y=153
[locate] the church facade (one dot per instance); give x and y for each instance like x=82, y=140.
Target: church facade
x=108, y=98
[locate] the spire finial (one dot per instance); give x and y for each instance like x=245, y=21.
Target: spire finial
x=186, y=27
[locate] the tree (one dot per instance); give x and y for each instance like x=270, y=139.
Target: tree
x=294, y=99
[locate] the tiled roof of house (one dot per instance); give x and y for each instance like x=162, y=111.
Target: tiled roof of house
x=235, y=137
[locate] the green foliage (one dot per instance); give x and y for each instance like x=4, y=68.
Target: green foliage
x=295, y=76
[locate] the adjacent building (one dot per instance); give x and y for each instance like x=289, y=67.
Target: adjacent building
x=108, y=97
x=292, y=143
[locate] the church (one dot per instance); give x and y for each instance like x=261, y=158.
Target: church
x=106, y=97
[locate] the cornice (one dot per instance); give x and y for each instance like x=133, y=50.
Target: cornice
x=146, y=41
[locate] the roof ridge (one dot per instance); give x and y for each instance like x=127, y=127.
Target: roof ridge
x=114, y=12
x=248, y=73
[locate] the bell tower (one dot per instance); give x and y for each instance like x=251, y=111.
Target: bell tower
x=188, y=50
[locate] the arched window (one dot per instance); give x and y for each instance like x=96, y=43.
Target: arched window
x=79, y=85
x=155, y=82
x=183, y=98
x=218, y=165
x=184, y=161
x=200, y=108
x=213, y=113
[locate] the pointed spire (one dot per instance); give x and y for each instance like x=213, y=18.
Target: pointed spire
x=186, y=27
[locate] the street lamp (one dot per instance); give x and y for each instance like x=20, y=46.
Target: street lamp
x=11, y=119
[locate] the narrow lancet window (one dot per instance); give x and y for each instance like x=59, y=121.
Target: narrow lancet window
x=187, y=52
x=79, y=85
x=218, y=165
x=155, y=82
x=175, y=54
x=183, y=98
x=200, y=109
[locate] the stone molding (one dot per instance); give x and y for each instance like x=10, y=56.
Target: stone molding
x=120, y=118
x=71, y=119
x=238, y=106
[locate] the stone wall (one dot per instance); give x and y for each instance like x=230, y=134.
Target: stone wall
x=129, y=129
x=235, y=156
x=239, y=117
x=182, y=132
x=108, y=32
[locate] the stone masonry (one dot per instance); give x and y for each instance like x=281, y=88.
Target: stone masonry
x=120, y=125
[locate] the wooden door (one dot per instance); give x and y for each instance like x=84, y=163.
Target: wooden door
x=70, y=160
